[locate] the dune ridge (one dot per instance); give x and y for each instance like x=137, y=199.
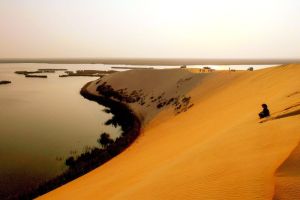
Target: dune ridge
x=216, y=148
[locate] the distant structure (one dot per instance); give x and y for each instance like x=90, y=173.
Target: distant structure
x=250, y=69
x=116, y=67
x=206, y=70
x=183, y=67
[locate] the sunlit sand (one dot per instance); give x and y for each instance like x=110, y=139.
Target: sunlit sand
x=216, y=147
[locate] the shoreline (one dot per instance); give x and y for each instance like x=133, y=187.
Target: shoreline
x=116, y=107
x=86, y=162
x=152, y=61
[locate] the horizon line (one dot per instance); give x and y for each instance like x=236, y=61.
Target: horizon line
x=153, y=61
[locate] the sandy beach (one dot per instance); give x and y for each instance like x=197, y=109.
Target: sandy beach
x=201, y=137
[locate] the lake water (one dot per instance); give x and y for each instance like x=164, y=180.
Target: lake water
x=42, y=122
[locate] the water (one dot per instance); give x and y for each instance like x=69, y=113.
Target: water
x=42, y=122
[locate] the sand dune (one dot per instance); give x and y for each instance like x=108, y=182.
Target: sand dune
x=213, y=148
x=287, y=177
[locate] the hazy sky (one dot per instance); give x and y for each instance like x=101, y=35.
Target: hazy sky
x=150, y=28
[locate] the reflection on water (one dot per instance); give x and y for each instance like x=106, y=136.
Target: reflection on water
x=43, y=121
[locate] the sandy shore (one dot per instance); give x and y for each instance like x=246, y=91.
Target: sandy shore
x=206, y=143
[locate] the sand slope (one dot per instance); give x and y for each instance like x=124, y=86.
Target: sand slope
x=216, y=149
x=288, y=177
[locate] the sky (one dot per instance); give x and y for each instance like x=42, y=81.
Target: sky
x=230, y=29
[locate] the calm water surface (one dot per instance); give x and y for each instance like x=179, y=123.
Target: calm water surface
x=43, y=121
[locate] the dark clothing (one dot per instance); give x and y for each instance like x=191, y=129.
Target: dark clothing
x=264, y=113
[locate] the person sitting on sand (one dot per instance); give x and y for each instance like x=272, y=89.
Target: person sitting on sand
x=265, y=112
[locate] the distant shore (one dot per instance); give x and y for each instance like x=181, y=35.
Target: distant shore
x=152, y=61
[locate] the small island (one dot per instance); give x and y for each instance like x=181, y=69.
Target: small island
x=39, y=71
x=31, y=74
x=4, y=82
x=49, y=70
x=35, y=76
x=93, y=73
x=27, y=72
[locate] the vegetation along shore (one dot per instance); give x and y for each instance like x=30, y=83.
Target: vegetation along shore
x=95, y=157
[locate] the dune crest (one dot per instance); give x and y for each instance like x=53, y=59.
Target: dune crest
x=214, y=148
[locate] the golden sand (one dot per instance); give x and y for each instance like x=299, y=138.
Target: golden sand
x=217, y=149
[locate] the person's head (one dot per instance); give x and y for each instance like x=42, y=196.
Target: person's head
x=264, y=106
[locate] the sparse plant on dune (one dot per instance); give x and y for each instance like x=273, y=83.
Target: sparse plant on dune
x=105, y=140
x=107, y=110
